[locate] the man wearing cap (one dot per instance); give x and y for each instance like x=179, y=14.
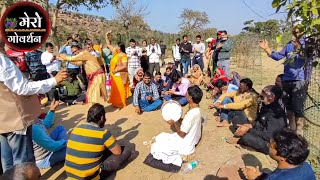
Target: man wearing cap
x=294, y=77
x=270, y=120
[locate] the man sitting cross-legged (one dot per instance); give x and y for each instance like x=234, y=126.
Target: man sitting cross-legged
x=170, y=147
x=222, y=87
x=291, y=152
x=146, y=97
x=91, y=147
x=271, y=119
x=244, y=107
x=49, y=149
x=178, y=91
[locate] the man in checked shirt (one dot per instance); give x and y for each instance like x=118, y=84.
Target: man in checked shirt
x=134, y=54
x=146, y=96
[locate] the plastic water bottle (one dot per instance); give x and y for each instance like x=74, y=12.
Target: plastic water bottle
x=191, y=166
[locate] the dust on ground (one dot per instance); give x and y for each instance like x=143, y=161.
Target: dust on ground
x=127, y=126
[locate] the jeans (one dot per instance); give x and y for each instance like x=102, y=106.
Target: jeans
x=16, y=149
x=224, y=112
x=147, y=106
x=198, y=60
x=131, y=72
x=237, y=117
x=185, y=62
x=182, y=100
x=59, y=133
x=225, y=65
x=154, y=66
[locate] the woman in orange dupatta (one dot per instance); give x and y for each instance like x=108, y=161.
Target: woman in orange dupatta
x=120, y=89
x=95, y=74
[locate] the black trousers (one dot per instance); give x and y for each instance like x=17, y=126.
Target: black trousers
x=112, y=163
x=255, y=142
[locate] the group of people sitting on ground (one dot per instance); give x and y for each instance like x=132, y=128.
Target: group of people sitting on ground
x=151, y=91
x=90, y=152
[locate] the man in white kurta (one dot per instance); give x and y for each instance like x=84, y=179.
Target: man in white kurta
x=170, y=147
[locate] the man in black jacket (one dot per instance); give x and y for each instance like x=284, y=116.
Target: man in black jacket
x=270, y=120
x=185, y=49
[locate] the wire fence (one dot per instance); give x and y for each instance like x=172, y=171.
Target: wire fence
x=254, y=65
x=312, y=114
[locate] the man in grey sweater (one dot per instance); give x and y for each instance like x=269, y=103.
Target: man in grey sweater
x=224, y=50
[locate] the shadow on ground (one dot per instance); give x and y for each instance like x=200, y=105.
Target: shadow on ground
x=115, y=129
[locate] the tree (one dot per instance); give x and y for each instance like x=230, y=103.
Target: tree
x=265, y=30
x=129, y=19
x=74, y=5
x=306, y=12
x=193, y=21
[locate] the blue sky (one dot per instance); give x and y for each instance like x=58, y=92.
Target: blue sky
x=224, y=14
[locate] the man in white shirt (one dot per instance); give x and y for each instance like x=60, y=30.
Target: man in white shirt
x=176, y=54
x=170, y=147
x=16, y=144
x=134, y=54
x=49, y=60
x=198, y=49
x=154, y=53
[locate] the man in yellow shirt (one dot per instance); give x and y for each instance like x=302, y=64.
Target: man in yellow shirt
x=244, y=108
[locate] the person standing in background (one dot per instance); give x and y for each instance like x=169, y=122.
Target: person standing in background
x=215, y=53
x=198, y=49
x=224, y=50
x=163, y=48
x=134, y=54
x=154, y=53
x=66, y=49
x=36, y=69
x=176, y=54
x=185, y=49
x=144, y=58
x=294, y=79
x=107, y=56
x=50, y=61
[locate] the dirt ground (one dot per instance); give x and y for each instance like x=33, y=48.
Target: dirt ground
x=213, y=151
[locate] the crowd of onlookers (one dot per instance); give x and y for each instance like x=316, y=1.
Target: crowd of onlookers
x=258, y=120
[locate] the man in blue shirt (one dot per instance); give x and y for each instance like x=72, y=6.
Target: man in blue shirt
x=66, y=49
x=293, y=77
x=290, y=151
x=49, y=149
x=146, y=97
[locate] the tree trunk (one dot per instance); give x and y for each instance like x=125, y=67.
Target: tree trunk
x=54, y=27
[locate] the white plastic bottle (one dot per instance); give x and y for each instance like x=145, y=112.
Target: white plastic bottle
x=191, y=166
